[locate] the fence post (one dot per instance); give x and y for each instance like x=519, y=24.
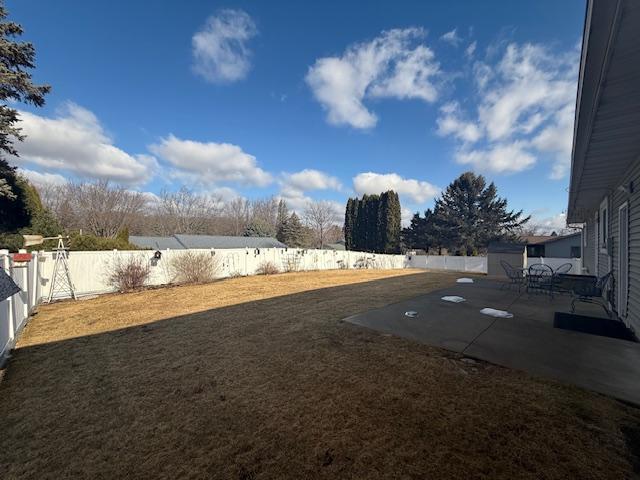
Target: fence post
x=34, y=280
x=4, y=260
x=24, y=273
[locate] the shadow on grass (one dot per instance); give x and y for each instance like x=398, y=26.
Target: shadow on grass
x=280, y=388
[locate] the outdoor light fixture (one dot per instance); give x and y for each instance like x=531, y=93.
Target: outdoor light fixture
x=157, y=255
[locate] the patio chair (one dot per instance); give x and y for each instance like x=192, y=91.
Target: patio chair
x=515, y=275
x=591, y=292
x=564, y=268
x=540, y=278
x=557, y=277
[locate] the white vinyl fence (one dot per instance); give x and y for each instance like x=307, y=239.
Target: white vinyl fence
x=15, y=311
x=554, y=263
x=446, y=262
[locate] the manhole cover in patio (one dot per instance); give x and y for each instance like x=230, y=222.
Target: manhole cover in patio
x=411, y=314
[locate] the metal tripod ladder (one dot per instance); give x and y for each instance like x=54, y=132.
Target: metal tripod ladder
x=61, y=283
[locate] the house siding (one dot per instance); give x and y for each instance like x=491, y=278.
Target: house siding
x=589, y=250
x=633, y=305
x=561, y=248
x=608, y=262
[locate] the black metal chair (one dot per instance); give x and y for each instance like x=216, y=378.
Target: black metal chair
x=591, y=292
x=557, y=276
x=515, y=275
x=540, y=278
x=564, y=268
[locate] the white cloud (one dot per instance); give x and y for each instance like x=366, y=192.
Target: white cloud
x=392, y=65
x=406, y=216
x=450, y=123
x=545, y=225
x=557, y=138
x=501, y=158
x=525, y=110
x=40, y=179
x=532, y=85
x=210, y=163
x=471, y=49
x=296, y=200
x=226, y=194
x=309, y=179
x=374, y=183
x=75, y=142
x=452, y=37
x=220, y=52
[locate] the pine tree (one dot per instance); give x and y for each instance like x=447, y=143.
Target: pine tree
x=469, y=215
x=281, y=217
x=258, y=229
x=392, y=223
x=16, y=58
x=422, y=232
x=372, y=223
x=293, y=234
x=13, y=204
x=349, y=223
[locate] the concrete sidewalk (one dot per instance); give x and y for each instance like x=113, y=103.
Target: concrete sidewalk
x=528, y=341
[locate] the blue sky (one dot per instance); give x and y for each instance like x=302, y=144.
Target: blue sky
x=306, y=100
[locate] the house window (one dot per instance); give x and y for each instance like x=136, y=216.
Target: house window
x=603, y=225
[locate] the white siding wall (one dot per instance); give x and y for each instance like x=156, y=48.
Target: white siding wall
x=608, y=262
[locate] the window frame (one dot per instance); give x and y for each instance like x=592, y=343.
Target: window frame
x=603, y=225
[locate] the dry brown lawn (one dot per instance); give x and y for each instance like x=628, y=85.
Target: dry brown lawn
x=255, y=378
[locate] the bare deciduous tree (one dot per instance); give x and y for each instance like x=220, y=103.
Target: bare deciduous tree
x=185, y=212
x=237, y=212
x=101, y=208
x=320, y=217
x=264, y=212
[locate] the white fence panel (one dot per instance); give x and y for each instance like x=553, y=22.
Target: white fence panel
x=448, y=262
x=554, y=263
x=89, y=270
x=437, y=262
x=475, y=264
x=15, y=310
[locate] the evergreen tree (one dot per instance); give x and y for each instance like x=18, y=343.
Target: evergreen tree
x=40, y=220
x=13, y=204
x=391, y=223
x=372, y=223
x=281, y=217
x=293, y=234
x=469, y=215
x=16, y=58
x=258, y=229
x=349, y=223
x=422, y=233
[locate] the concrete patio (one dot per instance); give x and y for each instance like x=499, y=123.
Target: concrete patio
x=528, y=341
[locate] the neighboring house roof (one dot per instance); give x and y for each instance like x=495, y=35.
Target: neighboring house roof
x=541, y=239
x=607, y=119
x=506, y=247
x=556, y=238
x=180, y=241
x=535, y=239
x=220, y=241
x=335, y=246
x=155, y=243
